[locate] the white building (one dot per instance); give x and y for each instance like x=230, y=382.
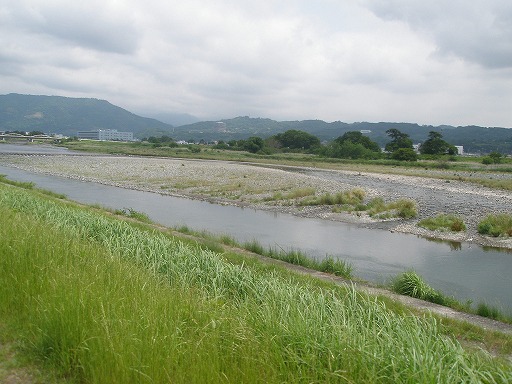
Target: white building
x=106, y=135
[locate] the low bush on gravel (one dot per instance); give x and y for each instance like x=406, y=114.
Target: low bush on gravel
x=353, y=200
x=496, y=225
x=351, y=197
x=443, y=222
x=403, y=208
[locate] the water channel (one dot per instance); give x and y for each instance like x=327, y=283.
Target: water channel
x=465, y=271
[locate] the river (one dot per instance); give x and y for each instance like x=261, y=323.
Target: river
x=465, y=271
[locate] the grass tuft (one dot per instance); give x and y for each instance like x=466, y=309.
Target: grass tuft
x=496, y=225
x=411, y=284
x=443, y=222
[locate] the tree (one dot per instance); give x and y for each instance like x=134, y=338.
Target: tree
x=493, y=158
x=435, y=145
x=404, y=154
x=398, y=140
x=356, y=137
x=253, y=144
x=352, y=145
x=295, y=139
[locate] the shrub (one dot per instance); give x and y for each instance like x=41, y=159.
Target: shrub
x=443, y=222
x=404, y=154
x=496, y=225
x=405, y=208
x=351, y=197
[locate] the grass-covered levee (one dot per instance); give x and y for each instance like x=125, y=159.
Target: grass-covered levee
x=97, y=299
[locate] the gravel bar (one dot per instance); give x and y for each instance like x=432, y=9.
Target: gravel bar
x=254, y=185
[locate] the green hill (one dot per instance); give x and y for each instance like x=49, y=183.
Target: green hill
x=65, y=115
x=474, y=139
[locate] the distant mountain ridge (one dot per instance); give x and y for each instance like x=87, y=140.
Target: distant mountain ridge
x=474, y=139
x=65, y=115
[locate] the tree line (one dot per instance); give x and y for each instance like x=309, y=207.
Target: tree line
x=351, y=145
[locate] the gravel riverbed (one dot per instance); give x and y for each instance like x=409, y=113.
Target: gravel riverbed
x=256, y=185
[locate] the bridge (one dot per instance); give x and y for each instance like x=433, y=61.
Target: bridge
x=29, y=138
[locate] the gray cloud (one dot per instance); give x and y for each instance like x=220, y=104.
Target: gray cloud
x=478, y=31
x=92, y=24
x=292, y=59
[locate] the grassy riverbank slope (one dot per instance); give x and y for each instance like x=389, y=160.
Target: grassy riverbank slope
x=96, y=299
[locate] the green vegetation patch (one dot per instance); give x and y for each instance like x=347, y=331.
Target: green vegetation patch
x=353, y=200
x=403, y=208
x=411, y=284
x=103, y=300
x=351, y=197
x=443, y=222
x=496, y=225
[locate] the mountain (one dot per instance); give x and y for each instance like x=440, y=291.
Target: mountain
x=56, y=114
x=174, y=119
x=67, y=116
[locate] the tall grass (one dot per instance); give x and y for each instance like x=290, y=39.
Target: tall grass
x=496, y=225
x=351, y=197
x=443, y=222
x=329, y=264
x=103, y=300
x=411, y=284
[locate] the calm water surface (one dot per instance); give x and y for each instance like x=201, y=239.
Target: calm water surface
x=467, y=272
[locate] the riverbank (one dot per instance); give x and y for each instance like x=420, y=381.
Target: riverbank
x=259, y=186
x=193, y=310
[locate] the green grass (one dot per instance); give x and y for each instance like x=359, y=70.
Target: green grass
x=329, y=264
x=496, y=225
x=443, y=222
x=351, y=197
x=411, y=284
x=98, y=299
x=353, y=201
x=133, y=214
x=403, y=208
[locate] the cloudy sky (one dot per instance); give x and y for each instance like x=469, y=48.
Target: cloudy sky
x=430, y=62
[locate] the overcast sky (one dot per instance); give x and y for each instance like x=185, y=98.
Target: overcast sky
x=430, y=62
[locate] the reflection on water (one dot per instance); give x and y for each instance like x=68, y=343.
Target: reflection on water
x=454, y=245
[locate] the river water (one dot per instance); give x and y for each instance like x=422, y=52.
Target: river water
x=465, y=271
